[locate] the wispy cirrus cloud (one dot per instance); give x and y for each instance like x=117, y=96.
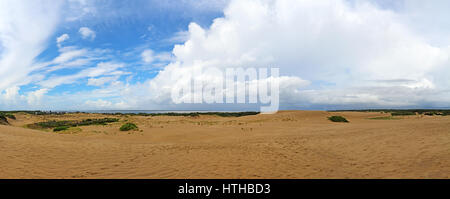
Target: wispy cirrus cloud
x=24, y=31
x=101, y=69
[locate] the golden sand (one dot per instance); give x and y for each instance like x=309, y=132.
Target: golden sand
x=289, y=144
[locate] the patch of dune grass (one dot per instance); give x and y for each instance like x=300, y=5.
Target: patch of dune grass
x=61, y=125
x=432, y=113
x=5, y=115
x=403, y=113
x=72, y=123
x=69, y=130
x=60, y=128
x=336, y=118
x=10, y=116
x=3, y=120
x=36, y=112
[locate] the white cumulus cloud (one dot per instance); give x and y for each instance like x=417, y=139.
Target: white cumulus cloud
x=87, y=33
x=334, y=44
x=61, y=39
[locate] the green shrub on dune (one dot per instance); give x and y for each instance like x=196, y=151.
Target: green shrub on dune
x=403, y=113
x=10, y=116
x=128, y=127
x=60, y=128
x=67, y=130
x=3, y=120
x=87, y=122
x=337, y=119
x=4, y=117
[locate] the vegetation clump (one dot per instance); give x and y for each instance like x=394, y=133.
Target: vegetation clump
x=60, y=128
x=337, y=119
x=61, y=125
x=3, y=120
x=71, y=123
x=37, y=112
x=4, y=117
x=431, y=113
x=103, y=121
x=403, y=113
x=7, y=115
x=128, y=127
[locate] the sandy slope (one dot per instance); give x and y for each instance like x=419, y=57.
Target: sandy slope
x=289, y=144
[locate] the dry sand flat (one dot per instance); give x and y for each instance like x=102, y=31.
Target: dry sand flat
x=289, y=144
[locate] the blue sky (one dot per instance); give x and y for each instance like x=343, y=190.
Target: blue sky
x=105, y=54
x=124, y=36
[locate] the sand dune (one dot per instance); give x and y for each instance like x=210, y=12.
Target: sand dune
x=289, y=144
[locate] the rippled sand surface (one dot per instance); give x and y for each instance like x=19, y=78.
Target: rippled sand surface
x=289, y=144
